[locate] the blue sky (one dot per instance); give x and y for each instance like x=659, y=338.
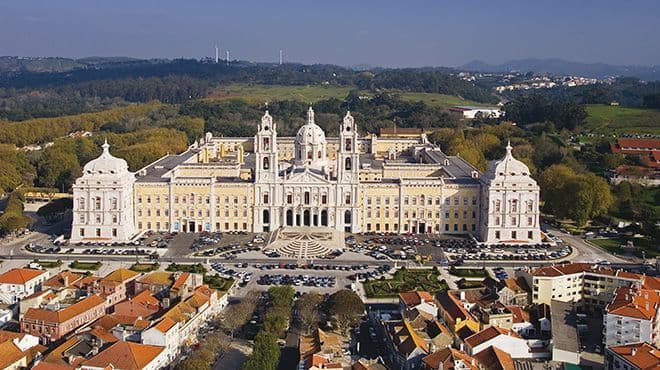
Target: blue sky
x=387, y=33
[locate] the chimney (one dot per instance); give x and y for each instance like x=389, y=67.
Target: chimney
x=634, y=351
x=462, y=296
x=166, y=303
x=66, y=280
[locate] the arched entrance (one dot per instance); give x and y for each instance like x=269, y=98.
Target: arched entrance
x=289, y=217
x=306, y=218
x=324, y=218
x=266, y=217
x=348, y=219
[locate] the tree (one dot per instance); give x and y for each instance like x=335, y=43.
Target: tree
x=346, y=308
x=57, y=168
x=308, y=309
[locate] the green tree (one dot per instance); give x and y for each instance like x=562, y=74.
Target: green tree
x=308, y=310
x=346, y=308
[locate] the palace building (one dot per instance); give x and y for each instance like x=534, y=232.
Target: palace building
x=390, y=183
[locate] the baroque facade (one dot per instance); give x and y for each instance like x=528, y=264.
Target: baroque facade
x=395, y=183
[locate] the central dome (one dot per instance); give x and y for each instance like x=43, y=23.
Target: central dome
x=311, y=145
x=310, y=133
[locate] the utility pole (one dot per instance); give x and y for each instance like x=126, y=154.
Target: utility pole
x=280, y=56
x=227, y=57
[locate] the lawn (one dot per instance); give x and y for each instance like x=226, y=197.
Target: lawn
x=405, y=280
x=613, y=245
x=144, y=267
x=468, y=272
x=218, y=282
x=197, y=268
x=260, y=94
x=89, y=266
x=606, y=119
x=49, y=264
x=438, y=100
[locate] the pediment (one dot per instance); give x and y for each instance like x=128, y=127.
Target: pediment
x=306, y=177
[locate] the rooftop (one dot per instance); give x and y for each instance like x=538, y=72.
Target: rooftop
x=125, y=356
x=637, y=303
x=20, y=275
x=64, y=314
x=643, y=355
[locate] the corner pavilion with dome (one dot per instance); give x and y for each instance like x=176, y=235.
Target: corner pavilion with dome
x=345, y=183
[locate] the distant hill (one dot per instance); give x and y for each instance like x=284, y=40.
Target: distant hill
x=57, y=64
x=563, y=67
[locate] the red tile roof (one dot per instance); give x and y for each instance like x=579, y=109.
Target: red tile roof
x=64, y=314
x=493, y=358
x=637, y=303
x=488, y=334
x=448, y=358
x=125, y=356
x=519, y=315
x=412, y=299
x=643, y=355
x=19, y=276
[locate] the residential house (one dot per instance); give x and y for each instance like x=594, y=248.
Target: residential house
x=18, y=350
x=521, y=323
x=632, y=317
x=633, y=356
x=510, y=291
x=142, y=305
x=323, y=350
x=405, y=347
x=116, y=286
x=492, y=314
x=453, y=312
x=18, y=283
x=127, y=356
x=420, y=300
x=449, y=359
x=493, y=358
x=51, y=323
x=505, y=340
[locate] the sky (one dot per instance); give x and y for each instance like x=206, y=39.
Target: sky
x=379, y=33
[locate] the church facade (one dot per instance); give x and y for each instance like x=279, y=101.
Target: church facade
x=397, y=182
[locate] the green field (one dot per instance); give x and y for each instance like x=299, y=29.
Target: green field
x=405, y=280
x=613, y=245
x=438, y=100
x=89, y=266
x=260, y=94
x=606, y=119
x=218, y=282
x=144, y=267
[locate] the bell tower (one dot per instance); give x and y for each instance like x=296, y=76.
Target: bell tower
x=265, y=149
x=348, y=156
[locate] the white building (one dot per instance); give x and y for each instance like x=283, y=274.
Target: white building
x=632, y=317
x=503, y=339
x=509, y=202
x=18, y=283
x=103, y=201
x=472, y=112
x=397, y=183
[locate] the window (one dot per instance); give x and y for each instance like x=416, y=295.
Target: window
x=348, y=199
x=176, y=199
x=347, y=164
x=530, y=206
x=97, y=203
x=114, y=219
x=347, y=145
x=405, y=200
x=82, y=231
x=514, y=221
x=81, y=203
x=456, y=200
x=474, y=200
x=465, y=201
x=114, y=233
x=498, y=206
x=266, y=164
x=530, y=235
x=306, y=197
x=324, y=198
x=437, y=201
x=289, y=198
x=98, y=218
x=497, y=221
x=447, y=201
x=497, y=234
x=414, y=201
x=514, y=235
x=82, y=219
x=514, y=205
x=98, y=232
x=266, y=143
x=530, y=221
x=265, y=198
